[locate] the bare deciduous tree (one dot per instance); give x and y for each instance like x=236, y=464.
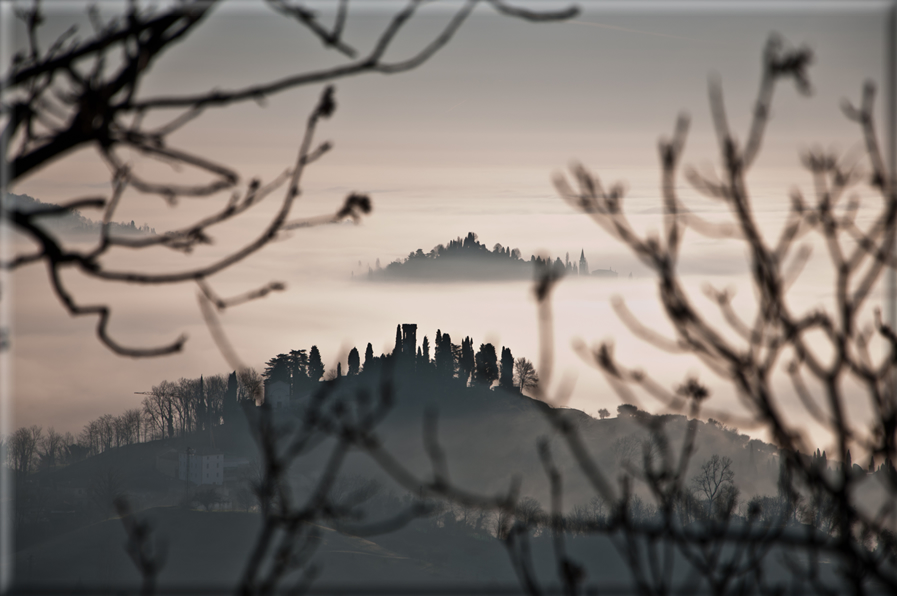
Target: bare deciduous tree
x=525, y=374
x=529, y=512
x=50, y=448
x=69, y=93
x=22, y=449
x=713, y=482
x=777, y=332
x=289, y=533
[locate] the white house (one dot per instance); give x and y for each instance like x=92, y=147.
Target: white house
x=201, y=466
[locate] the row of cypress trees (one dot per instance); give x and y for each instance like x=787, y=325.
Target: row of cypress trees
x=301, y=369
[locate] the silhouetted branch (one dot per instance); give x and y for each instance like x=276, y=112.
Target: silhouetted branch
x=147, y=554
x=777, y=332
x=76, y=94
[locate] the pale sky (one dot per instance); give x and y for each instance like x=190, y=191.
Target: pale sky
x=467, y=142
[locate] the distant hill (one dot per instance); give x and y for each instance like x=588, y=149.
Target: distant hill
x=466, y=259
x=489, y=436
x=71, y=224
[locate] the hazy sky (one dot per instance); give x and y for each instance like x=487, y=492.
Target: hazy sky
x=467, y=142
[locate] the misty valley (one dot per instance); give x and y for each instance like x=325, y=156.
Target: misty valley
x=673, y=414
x=191, y=467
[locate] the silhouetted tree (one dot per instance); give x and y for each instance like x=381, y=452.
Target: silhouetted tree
x=445, y=357
x=278, y=369
x=713, y=482
x=368, y=358
x=251, y=385
x=466, y=361
x=506, y=377
x=200, y=410
x=315, y=365
x=529, y=513
x=53, y=109
x=603, y=413
x=745, y=345
x=425, y=351
x=298, y=370
x=527, y=378
x=626, y=411
x=353, y=362
x=159, y=408
x=231, y=407
x=22, y=450
x=486, y=367
x=50, y=446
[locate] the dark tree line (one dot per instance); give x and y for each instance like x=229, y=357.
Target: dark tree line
x=303, y=370
x=467, y=258
x=196, y=407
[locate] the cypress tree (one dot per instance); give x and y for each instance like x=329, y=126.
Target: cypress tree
x=353, y=362
x=466, y=363
x=298, y=364
x=486, y=365
x=445, y=358
x=230, y=407
x=315, y=365
x=368, y=356
x=506, y=378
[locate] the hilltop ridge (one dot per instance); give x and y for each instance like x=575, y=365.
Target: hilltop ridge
x=467, y=259
x=72, y=222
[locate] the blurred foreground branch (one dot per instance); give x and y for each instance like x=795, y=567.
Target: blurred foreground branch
x=72, y=92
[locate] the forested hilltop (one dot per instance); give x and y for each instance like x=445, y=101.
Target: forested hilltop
x=467, y=259
x=69, y=222
x=192, y=459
